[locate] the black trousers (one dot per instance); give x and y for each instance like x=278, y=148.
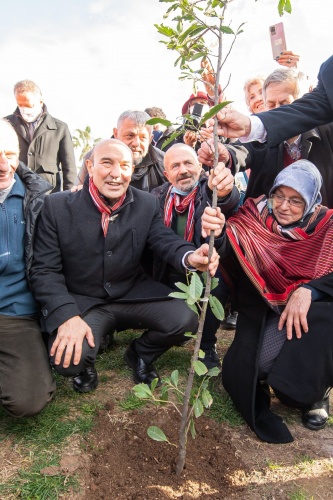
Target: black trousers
x=165, y=322
x=26, y=383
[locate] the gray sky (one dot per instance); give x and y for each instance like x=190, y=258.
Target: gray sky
x=94, y=59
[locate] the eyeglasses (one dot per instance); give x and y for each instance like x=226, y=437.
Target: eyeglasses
x=294, y=202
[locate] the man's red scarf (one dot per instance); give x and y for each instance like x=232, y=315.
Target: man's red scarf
x=103, y=207
x=279, y=260
x=180, y=204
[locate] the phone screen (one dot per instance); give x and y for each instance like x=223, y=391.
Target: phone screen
x=278, y=39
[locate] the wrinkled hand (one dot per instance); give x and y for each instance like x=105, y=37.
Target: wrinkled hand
x=70, y=337
x=208, y=77
x=206, y=153
x=288, y=58
x=206, y=134
x=190, y=138
x=295, y=313
x=222, y=178
x=212, y=220
x=199, y=259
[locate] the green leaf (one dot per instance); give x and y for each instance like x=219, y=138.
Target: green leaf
x=153, y=121
x=178, y=295
x=192, y=30
x=165, y=30
x=213, y=111
x=193, y=308
x=201, y=354
x=214, y=372
x=173, y=136
x=191, y=335
x=198, y=408
x=174, y=378
x=227, y=30
x=191, y=301
x=192, y=428
x=153, y=384
x=214, y=283
x=199, y=368
x=142, y=391
x=206, y=398
x=216, y=307
x=156, y=434
x=164, y=396
x=182, y=286
x=196, y=286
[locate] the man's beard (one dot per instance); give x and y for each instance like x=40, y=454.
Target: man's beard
x=137, y=160
x=189, y=185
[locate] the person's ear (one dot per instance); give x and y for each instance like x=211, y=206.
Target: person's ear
x=89, y=165
x=115, y=133
x=166, y=174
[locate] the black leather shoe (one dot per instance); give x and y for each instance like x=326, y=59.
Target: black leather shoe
x=211, y=359
x=231, y=321
x=316, y=416
x=86, y=381
x=142, y=372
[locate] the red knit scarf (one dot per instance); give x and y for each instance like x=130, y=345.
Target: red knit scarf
x=103, y=207
x=279, y=260
x=181, y=204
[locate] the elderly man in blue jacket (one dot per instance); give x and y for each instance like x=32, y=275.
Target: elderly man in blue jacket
x=26, y=383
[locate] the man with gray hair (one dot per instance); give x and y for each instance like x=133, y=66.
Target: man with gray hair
x=148, y=160
x=26, y=383
x=282, y=87
x=45, y=142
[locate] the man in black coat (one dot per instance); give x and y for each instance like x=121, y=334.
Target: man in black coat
x=313, y=109
x=45, y=142
x=182, y=203
x=87, y=274
x=281, y=88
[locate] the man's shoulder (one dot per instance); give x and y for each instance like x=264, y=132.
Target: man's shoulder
x=156, y=155
x=140, y=196
x=53, y=121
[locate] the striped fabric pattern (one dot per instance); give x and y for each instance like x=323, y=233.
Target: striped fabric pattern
x=279, y=260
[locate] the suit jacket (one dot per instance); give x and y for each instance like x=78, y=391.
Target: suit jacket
x=76, y=268
x=50, y=147
x=311, y=110
x=266, y=162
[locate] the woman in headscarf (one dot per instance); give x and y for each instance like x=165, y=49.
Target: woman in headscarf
x=278, y=253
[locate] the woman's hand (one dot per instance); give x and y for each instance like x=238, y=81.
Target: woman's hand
x=295, y=313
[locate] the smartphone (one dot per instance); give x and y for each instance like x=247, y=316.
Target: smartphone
x=193, y=122
x=278, y=39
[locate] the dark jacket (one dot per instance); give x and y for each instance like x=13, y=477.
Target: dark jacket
x=50, y=147
x=311, y=110
x=35, y=190
x=150, y=173
x=266, y=162
x=76, y=268
x=203, y=199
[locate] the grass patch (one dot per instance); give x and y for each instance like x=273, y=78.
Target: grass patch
x=299, y=495
x=131, y=402
x=222, y=408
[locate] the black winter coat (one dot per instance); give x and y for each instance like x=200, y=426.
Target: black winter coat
x=76, y=268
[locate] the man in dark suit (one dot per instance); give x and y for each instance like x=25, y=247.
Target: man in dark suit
x=87, y=273
x=45, y=142
x=313, y=109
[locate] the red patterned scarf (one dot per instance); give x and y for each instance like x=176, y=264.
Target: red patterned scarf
x=180, y=204
x=279, y=260
x=103, y=207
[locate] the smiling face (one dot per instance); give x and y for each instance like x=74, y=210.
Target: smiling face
x=182, y=168
x=285, y=212
x=255, y=98
x=111, y=168
x=136, y=137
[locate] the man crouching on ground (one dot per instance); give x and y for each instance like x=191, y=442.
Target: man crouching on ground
x=87, y=274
